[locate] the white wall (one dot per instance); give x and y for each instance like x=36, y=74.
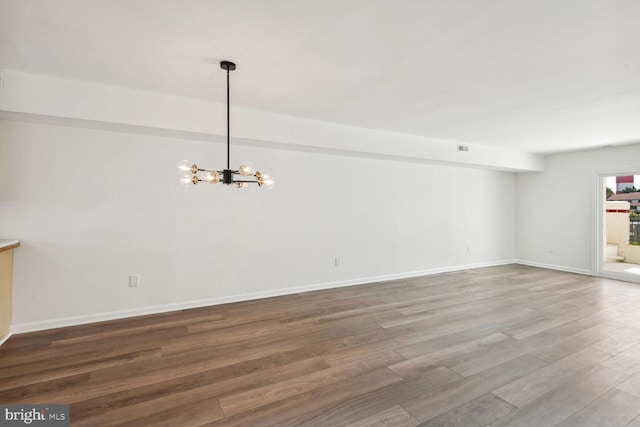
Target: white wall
x=102, y=106
x=555, y=209
x=92, y=206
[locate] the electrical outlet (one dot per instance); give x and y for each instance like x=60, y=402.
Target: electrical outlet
x=134, y=280
x=337, y=261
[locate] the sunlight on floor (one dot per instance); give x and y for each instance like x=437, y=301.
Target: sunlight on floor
x=622, y=267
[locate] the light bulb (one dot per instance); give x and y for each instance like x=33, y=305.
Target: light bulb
x=241, y=185
x=210, y=176
x=188, y=180
x=265, y=180
x=246, y=169
x=187, y=166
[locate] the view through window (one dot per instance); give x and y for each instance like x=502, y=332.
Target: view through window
x=621, y=250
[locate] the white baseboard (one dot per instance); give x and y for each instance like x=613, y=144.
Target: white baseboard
x=5, y=338
x=19, y=328
x=554, y=267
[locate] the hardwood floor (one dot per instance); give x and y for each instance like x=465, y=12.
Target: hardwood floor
x=499, y=346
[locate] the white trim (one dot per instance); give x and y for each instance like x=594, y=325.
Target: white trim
x=5, y=338
x=583, y=271
x=597, y=222
x=19, y=328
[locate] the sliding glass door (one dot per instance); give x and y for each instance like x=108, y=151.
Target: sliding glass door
x=618, y=225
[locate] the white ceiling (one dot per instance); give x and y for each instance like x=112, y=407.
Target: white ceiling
x=534, y=75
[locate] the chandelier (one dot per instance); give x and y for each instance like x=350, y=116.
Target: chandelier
x=241, y=177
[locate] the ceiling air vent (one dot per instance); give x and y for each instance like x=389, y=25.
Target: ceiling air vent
x=463, y=147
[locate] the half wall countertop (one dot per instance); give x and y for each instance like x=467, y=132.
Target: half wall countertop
x=6, y=244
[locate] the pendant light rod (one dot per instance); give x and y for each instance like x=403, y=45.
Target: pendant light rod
x=229, y=66
x=228, y=122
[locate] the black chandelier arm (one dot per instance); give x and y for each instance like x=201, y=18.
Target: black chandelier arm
x=232, y=182
x=235, y=172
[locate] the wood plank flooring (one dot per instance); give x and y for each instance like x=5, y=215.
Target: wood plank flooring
x=499, y=346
